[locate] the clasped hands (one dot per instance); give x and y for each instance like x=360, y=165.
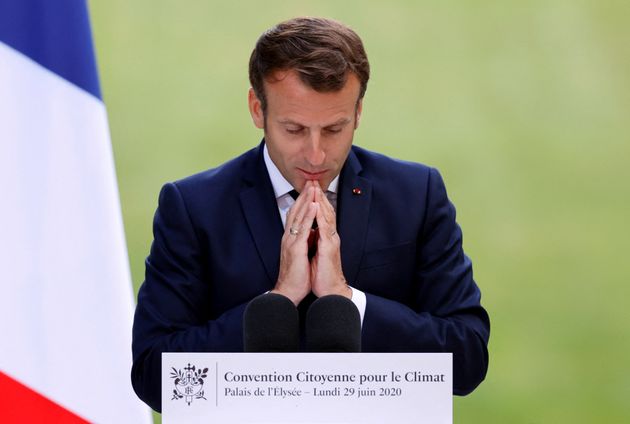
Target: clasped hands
x=322, y=274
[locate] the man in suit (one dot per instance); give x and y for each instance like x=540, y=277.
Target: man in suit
x=386, y=238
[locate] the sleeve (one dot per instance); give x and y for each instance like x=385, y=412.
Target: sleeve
x=444, y=313
x=173, y=302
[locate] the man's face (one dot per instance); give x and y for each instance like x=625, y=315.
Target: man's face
x=308, y=133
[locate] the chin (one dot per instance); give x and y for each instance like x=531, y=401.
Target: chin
x=321, y=184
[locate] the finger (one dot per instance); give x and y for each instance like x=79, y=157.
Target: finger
x=304, y=197
x=328, y=212
x=322, y=222
x=304, y=218
x=307, y=222
x=311, y=185
x=298, y=211
x=322, y=193
x=325, y=230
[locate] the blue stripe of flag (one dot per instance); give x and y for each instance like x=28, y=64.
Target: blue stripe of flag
x=54, y=33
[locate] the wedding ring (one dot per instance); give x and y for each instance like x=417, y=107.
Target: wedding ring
x=293, y=231
x=333, y=233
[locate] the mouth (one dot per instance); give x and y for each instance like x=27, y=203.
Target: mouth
x=311, y=175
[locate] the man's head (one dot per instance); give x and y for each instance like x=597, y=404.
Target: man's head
x=308, y=77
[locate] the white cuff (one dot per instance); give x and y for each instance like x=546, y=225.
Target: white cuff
x=360, y=301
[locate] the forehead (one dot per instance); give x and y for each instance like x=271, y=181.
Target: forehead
x=288, y=98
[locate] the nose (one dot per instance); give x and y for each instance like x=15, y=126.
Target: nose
x=314, y=151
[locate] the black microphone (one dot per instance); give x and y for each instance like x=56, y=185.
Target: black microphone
x=333, y=324
x=271, y=324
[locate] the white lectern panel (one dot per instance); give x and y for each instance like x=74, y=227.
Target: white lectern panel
x=312, y=388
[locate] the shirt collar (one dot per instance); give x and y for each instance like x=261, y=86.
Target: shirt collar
x=280, y=185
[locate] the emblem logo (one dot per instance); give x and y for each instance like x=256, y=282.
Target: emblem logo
x=188, y=383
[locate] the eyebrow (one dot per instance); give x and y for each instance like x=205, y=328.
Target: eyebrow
x=342, y=121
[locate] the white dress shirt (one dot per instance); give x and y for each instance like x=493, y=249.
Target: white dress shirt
x=281, y=188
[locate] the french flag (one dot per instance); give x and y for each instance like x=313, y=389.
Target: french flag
x=66, y=300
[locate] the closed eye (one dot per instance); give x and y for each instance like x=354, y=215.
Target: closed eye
x=295, y=130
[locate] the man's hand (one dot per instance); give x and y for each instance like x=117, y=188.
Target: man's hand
x=326, y=272
x=294, y=276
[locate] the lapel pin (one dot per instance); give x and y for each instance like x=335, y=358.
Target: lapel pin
x=356, y=191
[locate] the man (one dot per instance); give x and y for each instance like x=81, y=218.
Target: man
x=386, y=238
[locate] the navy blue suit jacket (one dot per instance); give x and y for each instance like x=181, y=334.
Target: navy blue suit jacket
x=217, y=244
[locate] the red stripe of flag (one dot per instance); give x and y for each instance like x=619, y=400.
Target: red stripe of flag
x=20, y=404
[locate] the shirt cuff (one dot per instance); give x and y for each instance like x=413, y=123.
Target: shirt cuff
x=360, y=301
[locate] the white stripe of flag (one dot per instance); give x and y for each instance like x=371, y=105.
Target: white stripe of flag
x=66, y=302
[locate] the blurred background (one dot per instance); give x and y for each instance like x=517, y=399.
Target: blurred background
x=524, y=106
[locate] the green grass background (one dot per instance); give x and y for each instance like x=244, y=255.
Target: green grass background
x=524, y=106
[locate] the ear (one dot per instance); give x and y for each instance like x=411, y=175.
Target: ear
x=255, y=109
x=357, y=117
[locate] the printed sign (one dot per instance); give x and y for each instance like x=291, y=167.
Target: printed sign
x=312, y=388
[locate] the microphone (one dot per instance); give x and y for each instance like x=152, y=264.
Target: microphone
x=271, y=324
x=333, y=324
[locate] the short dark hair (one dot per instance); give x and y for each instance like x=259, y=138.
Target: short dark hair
x=322, y=51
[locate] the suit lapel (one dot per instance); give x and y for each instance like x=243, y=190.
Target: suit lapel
x=353, y=207
x=261, y=213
